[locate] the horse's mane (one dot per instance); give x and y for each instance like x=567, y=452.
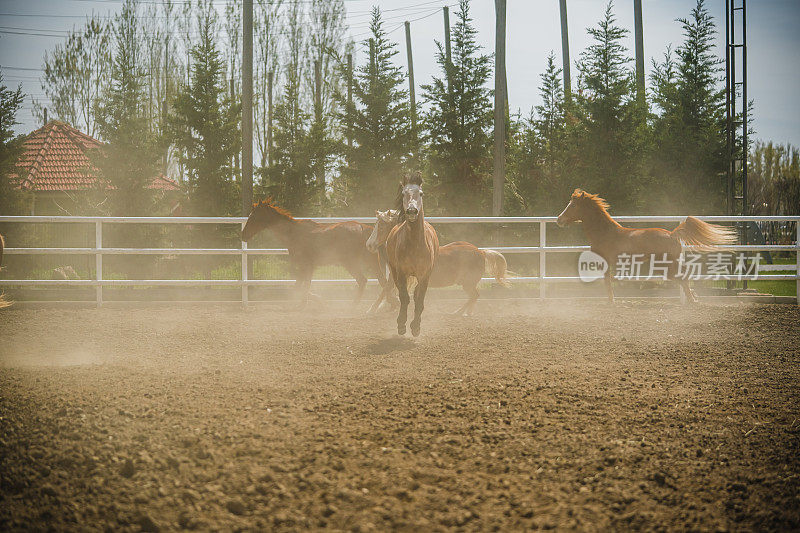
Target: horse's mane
x=600, y=203
x=269, y=203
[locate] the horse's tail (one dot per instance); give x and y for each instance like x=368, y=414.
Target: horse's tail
x=702, y=235
x=496, y=266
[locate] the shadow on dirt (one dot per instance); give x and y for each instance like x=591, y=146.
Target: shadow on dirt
x=392, y=344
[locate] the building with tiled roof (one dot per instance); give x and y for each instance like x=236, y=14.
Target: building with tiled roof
x=55, y=165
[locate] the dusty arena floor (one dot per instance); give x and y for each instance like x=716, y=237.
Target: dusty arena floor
x=644, y=415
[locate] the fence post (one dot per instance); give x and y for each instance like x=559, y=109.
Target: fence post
x=797, y=262
x=244, y=273
x=542, y=259
x=98, y=261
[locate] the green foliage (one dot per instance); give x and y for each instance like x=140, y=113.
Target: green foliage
x=540, y=153
x=667, y=158
x=380, y=128
x=76, y=73
x=129, y=161
x=13, y=201
x=774, y=180
x=204, y=128
x=290, y=179
x=459, y=122
x=689, y=133
x=612, y=134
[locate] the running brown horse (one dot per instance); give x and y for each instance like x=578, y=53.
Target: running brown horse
x=411, y=248
x=609, y=239
x=312, y=244
x=459, y=263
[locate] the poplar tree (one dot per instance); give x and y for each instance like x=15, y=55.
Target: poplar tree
x=290, y=179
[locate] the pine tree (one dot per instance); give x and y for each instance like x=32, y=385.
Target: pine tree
x=538, y=154
x=459, y=121
x=204, y=128
x=381, y=128
x=690, y=131
x=13, y=201
x=130, y=159
x=612, y=134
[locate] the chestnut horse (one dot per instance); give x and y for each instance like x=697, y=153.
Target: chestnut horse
x=609, y=239
x=412, y=247
x=459, y=263
x=312, y=244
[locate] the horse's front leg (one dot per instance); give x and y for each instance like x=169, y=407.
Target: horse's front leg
x=401, y=282
x=419, y=304
x=609, y=276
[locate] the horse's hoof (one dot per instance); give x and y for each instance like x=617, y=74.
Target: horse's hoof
x=401, y=330
x=415, y=330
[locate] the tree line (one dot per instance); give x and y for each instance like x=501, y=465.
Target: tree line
x=159, y=83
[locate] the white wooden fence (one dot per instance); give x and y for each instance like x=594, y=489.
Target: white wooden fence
x=542, y=249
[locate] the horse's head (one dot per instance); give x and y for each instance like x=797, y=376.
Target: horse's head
x=386, y=220
x=576, y=209
x=410, y=201
x=263, y=214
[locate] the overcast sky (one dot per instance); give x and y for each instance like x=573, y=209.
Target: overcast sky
x=533, y=31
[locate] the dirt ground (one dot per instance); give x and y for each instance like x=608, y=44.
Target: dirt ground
x=645, y=415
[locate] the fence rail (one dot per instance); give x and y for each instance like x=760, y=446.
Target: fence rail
x=99, y=251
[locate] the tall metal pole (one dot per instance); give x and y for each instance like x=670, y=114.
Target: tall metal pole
x=448, y=56
x=499, y=108
x=734, y=150
x=565, y=51
x=745, y=111
x=728, y=129
x=247, y=107
x=637, y=23
x=412, y=97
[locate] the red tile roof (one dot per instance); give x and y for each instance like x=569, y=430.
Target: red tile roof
x=56, y=158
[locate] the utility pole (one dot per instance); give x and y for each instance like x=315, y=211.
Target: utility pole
x=320, y=170
x=565, y=51
x=639, y=34
x=499, y=108
x=411, y=83
x=349, y=100
x=236, y=162
x=270, y=76
x=447, y=54
x=247, y=107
